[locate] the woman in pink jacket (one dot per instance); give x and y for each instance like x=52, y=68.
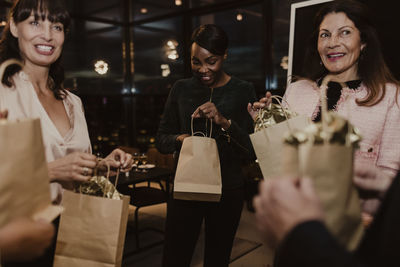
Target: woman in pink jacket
x=348, y=49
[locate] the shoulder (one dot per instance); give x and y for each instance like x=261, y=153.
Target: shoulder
x=242, y=86
x=241, y=83
x=301, y=87
x=183, y=83
x=73, y=98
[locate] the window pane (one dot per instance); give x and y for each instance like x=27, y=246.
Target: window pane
x=198, y=3
x=158, y=56
x=158, y=64
x=153, y=8
x=104, y=9
x=88, y=44
x=245, y=52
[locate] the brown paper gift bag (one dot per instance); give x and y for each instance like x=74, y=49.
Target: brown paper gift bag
x=92, y=231
x=330, y=166
x=198, y=173
x=24, y=180
x=268, y=143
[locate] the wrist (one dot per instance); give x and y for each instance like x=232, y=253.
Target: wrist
x=225, y=126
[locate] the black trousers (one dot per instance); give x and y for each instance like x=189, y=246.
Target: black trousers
x=184, y=220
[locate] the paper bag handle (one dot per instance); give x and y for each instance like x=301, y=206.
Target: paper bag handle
x=107, y=176
x=201, y=133
x=280, y=99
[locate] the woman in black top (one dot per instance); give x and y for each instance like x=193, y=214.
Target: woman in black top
x=209, y=94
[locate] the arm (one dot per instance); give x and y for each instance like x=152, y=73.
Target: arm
x=168, y=130
x=24, y=239
x=239, y=130
x=290, y=215
x=389, y=151
x=310, y=244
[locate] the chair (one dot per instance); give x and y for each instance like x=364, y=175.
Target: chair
x=144, y=196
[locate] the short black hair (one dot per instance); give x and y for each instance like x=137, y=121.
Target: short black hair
x=211, y=37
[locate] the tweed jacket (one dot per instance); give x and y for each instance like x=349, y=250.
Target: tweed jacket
x=379, y=124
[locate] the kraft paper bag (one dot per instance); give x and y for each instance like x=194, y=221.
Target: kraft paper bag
x=24, y=180
x=92, y=231
x=268, y=144
x=326, y=156
x=330, y=166
x=198, y=173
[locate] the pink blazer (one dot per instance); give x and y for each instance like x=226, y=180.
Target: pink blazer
x=379, y=124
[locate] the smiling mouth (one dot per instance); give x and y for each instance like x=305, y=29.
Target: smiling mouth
x=44, y=48
x=335, y=56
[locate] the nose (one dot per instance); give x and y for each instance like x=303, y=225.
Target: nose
x=47, y=34
x=333, y=41
x=202, y=69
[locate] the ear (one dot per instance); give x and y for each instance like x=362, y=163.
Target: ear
x=363, y=46
x=13, y=28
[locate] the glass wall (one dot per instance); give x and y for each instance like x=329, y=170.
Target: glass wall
x=244, y=28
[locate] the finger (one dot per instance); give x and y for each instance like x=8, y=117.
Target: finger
x=128, y=161
x=91, y=164
x=87, y=156
x=258, y=105
x=80, y=178
x=306, y=186
x=196, y=113
x=119, y=156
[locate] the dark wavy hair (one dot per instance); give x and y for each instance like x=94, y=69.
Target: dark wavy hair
x=54, y=11
x=372, y=68
x=211, y=37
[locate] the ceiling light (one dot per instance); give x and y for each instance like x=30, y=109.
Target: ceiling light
x=178, y=2
x=239, y=17
x=143, y=10
x=101, y=67
x=3, y=23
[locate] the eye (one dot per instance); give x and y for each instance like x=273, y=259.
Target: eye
x=58, y=27
x=324, y=35
x=195, y=62
x=34, y=23
x=212, y=62
x=346, y=32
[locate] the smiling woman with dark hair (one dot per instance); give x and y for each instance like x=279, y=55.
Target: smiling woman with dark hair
x=210, y=94
x=35, y=35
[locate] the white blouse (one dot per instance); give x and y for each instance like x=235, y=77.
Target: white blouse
x=21, y=101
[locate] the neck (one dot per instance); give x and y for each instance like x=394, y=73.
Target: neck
x=222, y=80
x=346, y=76
x=38, y=76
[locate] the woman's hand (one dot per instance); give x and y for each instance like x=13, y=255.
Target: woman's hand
x=181, y=137
x=3, y=114
x=209, y=110
x=120, y=159
x=372, y=184
x=77, y=166
x=263, y=102
x=24, y=239
x=284, y=203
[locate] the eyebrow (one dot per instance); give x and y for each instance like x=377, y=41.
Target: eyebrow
x=341, y=28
